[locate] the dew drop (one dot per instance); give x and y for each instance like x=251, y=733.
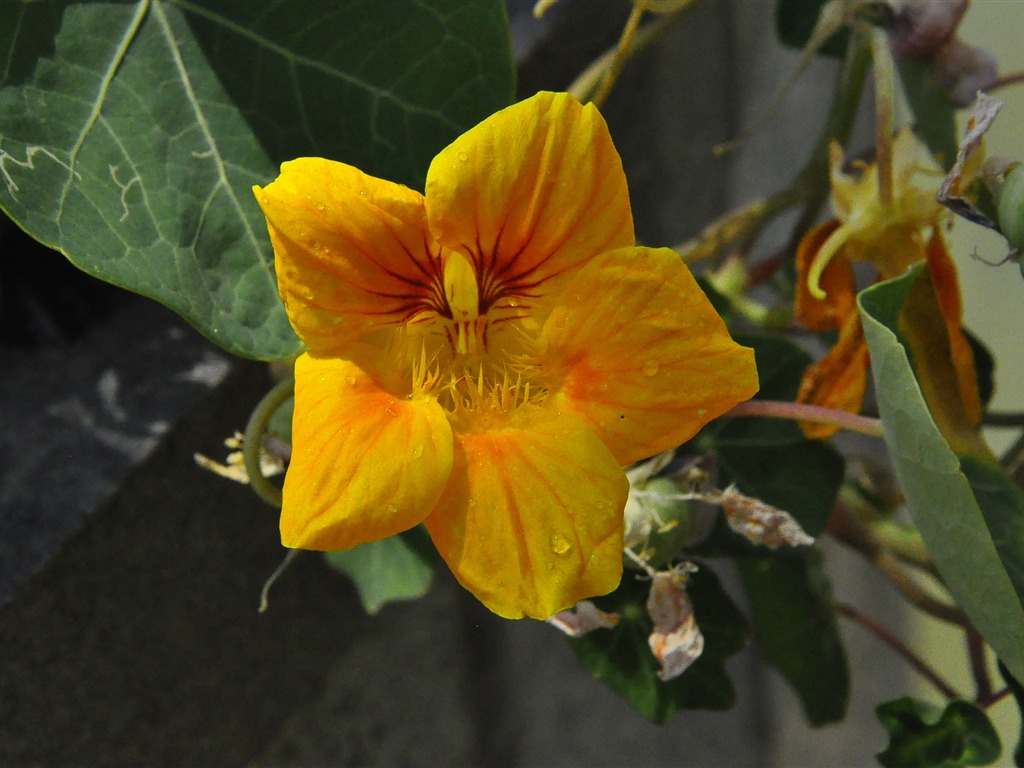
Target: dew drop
x=650, y=367
x=417, y=451
x=362, y=193
x=701, y=411
x=319, y=206
x=392, y=508
x=350, y=380
x=462, y=156
x=559, y=544
x=472, y=502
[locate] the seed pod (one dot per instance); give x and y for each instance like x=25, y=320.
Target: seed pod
x=1010, y=207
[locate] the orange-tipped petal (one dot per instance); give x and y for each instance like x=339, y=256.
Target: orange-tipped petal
x=531, y=520
x=529, y=193
x=926, y=332
x=947, y=292
x=836, y=280
x=638, y=352
x=365, y=464
x=839, y=379
x=352, y=253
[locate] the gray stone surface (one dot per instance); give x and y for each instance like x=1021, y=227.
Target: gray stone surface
x=75, y=420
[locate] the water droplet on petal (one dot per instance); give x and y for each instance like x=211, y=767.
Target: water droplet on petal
x=362, y=193
x=559, y=544
x=417, y=451
x=650, y=367
x=462, y=156
x=472, y=502
x=319, y=206
x=392, y=508
x=350, y=380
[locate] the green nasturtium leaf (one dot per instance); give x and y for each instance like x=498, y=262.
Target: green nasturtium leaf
x=131, y=133
x=397, y=568
x=795, y=627
x=934, y=110
x=925, y=736
x=622, y=657
x=978, y=553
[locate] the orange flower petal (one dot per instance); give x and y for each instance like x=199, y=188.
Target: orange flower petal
x=929, y=340
x=531, y=520
x=351, y=250
x=531, y=192
x=365, y=464
x=839, y=379
x=640, y=354
x=947, y=292
x=837, y=281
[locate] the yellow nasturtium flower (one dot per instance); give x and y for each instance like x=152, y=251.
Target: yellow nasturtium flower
x=486, y=357
x=892, y=235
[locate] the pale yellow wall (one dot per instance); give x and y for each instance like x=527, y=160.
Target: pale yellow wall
x=993, y=309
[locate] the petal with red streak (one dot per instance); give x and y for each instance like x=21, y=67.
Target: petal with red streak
x=351, y=251
x=529, y=193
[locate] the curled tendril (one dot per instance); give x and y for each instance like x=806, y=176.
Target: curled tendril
x=253, y=440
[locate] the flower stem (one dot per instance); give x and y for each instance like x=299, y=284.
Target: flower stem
x=979, y=664
x=741, y=224
x=842, y=114
x=780, y=409
x=602, y=74
x=253, y=440
x=899, y=647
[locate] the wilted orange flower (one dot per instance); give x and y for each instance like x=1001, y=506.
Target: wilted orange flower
x=892, y=235
x=486, y=357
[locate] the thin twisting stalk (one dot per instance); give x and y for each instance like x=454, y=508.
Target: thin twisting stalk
x=890, y=567
x=621, y=55
x=253, y=440
x=900, y=647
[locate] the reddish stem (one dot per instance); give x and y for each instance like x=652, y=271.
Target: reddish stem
x=780, y=409
x=899, y=647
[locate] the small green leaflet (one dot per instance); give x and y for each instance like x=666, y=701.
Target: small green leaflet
x=397, y=568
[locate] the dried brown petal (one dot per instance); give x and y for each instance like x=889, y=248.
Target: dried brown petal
x=583, y=618
x=676, y=641
x=761, y=523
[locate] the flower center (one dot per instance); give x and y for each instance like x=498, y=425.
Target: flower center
x=476, y=357
x=467, y=334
